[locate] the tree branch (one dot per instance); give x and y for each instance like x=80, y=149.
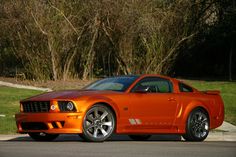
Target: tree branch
x=72, y=26
x=45, y=33
x=171, y=52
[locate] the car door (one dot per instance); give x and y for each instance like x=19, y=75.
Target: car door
x=154, y=108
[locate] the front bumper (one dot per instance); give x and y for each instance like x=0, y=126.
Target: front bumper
x=54, y=123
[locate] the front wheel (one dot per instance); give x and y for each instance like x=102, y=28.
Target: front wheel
x=197, y=127
x=39, y=136
x=98, y=123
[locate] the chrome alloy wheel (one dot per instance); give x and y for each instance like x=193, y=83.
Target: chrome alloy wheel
x=199, y=124
x=99, y=123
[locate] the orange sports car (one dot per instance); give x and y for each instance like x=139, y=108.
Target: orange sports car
x=138, y=106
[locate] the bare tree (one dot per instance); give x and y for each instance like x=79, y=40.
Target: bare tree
x=67, y=38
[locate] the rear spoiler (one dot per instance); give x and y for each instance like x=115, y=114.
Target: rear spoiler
x=212, y=92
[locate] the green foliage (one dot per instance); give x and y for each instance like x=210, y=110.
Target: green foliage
x=228, y=94
x=9, y=105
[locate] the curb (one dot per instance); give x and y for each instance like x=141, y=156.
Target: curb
x=221, y=136
x=24, y=86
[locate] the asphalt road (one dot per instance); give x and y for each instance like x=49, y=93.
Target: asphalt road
x=118, y=146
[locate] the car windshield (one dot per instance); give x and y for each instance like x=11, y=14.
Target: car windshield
x=114, y=83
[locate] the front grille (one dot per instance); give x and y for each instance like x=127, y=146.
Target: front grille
x=36, y=106
x=34, y=126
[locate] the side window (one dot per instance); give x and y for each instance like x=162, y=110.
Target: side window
x=155, y=85
x=184, y=88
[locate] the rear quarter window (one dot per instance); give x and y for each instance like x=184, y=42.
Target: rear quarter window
x=185, y=88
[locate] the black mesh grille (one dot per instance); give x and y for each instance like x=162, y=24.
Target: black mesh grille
x=36, y=106
x=34, y=126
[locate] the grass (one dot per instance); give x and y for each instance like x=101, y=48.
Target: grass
x=9, y=105
x=9, y=101
x=228, y=93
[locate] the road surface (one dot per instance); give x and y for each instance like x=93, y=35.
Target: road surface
x=119, y=146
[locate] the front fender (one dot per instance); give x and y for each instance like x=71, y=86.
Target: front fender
x=100, y=99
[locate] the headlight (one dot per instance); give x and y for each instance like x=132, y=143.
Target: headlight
x=70, y=106
x=66, y=106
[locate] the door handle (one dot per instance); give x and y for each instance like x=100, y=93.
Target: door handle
x=171, y=99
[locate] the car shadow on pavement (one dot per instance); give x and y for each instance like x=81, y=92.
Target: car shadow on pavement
x=113, y=138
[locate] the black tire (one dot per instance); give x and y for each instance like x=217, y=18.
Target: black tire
x=140, y=137
x=197, y=127
x=98, y=124
x=82, y=137
x=38, y=136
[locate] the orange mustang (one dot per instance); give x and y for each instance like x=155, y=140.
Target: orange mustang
x=135, y=105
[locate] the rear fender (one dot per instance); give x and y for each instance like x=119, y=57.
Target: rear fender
x=189, y=108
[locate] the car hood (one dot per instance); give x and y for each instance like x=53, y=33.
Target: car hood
x=68, y=94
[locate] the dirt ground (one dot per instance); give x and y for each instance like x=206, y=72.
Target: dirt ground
x=54, y=85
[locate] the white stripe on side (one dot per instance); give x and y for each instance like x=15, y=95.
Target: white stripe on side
x=132, y=121
x=138, y=121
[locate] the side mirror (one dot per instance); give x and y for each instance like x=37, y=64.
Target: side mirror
x=142, y=89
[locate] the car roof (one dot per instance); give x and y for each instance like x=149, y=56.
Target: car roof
x=155, y=75
x=142, y=76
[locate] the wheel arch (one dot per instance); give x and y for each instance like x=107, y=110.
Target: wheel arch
x=106, y=102
x=102, y=100
x=192, y=106
x=203, y=109
x=108, y=106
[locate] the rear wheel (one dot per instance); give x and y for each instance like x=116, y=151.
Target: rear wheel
x=98, y=123
x=197, y=127
x=139, y=137
x=39, y=136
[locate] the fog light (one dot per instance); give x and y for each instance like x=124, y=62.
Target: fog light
x=53, y=107
x=69, y=106
x=21, y=108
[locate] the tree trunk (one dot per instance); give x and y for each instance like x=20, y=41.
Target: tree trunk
x=71, y=58
x=53, y=60
x=91, y=54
